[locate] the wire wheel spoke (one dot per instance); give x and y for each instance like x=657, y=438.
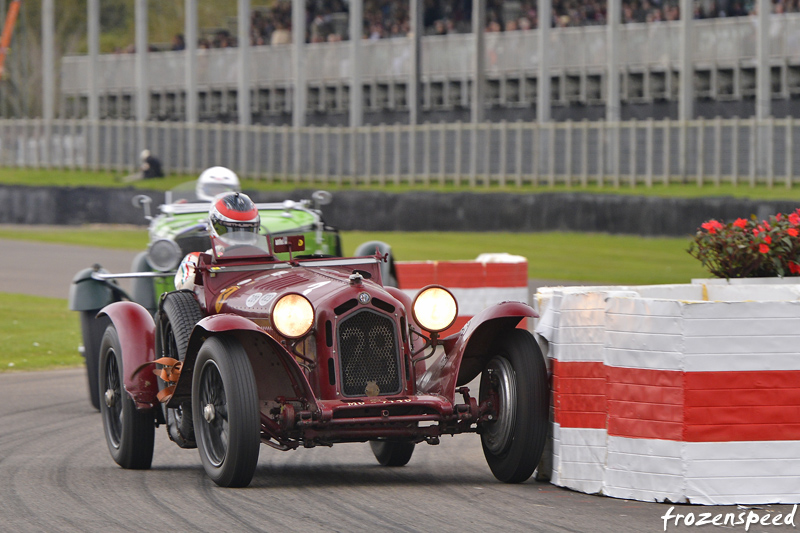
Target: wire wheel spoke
x=215, y=413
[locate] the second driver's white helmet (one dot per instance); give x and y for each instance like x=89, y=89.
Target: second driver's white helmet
x=216, y=180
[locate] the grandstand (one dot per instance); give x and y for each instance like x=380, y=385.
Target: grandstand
x=505, y=107
x=724, y=76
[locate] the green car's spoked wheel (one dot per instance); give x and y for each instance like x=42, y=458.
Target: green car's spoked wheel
x=226, y=415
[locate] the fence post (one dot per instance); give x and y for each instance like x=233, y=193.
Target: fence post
x=503, y=151
x=537, y=151
x=585, y=154
x=701, y=138
x=326, y=153
x=397, y=155
x=426, y=154
x=339, y=156
x=487, y=155
x=601, y=152
x=753, y=150
x=442, y=152
x=551, y=153
x=667, y=150
x=382, y=154
x=518, y=159
x=789, y=158
x=457, y=169
x=568, y=153
x=633, y=161
x=368, y=155
x=649, y=154
x=735, y=151
x=769, y=128
x=717, y=151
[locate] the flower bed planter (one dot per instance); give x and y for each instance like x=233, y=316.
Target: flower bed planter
x=681, y=393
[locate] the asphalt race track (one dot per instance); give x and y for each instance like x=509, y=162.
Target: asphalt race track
x=56, y=473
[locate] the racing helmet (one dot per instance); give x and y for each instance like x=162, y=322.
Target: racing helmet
x=233, y=219
x=216, y=180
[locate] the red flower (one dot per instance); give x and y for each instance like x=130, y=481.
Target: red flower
x=793, y=232
x=712, y=226
x=741, y=223
x=763, y=248
x=794, y=219
x=768, y=239
x=794, y=268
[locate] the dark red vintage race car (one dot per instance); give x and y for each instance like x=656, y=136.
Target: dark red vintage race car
x=314, y=352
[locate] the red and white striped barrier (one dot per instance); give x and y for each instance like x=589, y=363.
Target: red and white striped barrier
x=685, y=393
x=492, y=279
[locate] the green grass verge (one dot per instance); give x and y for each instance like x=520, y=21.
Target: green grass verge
x=585, y=257
x=79, y=178
x=37, y=333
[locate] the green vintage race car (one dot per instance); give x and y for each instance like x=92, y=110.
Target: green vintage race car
x=178, y=229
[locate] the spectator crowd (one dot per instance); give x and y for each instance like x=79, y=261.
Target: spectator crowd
x=327, y=20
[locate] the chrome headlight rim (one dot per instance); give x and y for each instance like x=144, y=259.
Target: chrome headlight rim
x=424, y=318
x=164, y=255
x=293, y=315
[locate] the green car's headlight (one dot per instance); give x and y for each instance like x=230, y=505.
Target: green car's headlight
x=435, y=308
x=293, y=316
x=164, y=255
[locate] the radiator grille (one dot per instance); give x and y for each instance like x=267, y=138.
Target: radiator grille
x=368, y=354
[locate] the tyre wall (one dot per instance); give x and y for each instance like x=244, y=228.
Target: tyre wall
x=476, y=285
x=685, y=393
x=416, y=211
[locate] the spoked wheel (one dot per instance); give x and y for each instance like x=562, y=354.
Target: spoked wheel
x=179, y=314
x=130, y=433
x=226, y=412
x=92, y=330
x=392, y=452
x=516, y=380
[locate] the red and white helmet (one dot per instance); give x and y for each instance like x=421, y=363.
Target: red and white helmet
x=234, y=219
x=216, y=180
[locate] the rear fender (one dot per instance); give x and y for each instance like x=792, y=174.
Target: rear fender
x=468, y=351
x=276, y=371
x=137, y=334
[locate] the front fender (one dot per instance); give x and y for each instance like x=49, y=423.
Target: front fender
x=468, y=351
x=292, y=383
x=137, y=333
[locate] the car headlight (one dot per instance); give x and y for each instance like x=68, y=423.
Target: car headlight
x=293, y=316
x=164, y=255
x=435, y=308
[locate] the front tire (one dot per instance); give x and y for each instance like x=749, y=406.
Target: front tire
x=392, y=453
x=130, y=433
x=516, y=379
x=226, y=412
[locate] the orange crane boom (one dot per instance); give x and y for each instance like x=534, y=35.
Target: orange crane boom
x=8, y=31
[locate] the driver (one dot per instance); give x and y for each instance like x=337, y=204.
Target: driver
x=232, y=220
x=214, y=181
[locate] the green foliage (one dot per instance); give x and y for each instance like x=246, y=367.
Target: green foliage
x=37, y=333
x=750, y=248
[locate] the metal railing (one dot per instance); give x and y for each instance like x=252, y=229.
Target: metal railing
x=576, y=154
x=726, y=41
